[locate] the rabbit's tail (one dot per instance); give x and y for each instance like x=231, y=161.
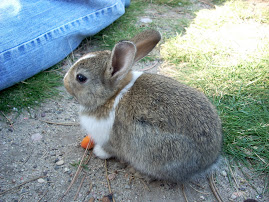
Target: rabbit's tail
x=212, y=169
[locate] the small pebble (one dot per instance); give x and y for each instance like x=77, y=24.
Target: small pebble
x=111, y=176
x=127, y=187
x=233, y=196
x=56, y=167
x=10, y=130
x=242, y=188
x=35, y=166
x=260, y=196
x=224, y=173
x=66, y=170
x=59, y=163
x=146, y=20
x=14, y=144
x=202, y=198
x=36, y=137
x=40, y=180
x=43, y=114
x=56, y=160
x=23, y=190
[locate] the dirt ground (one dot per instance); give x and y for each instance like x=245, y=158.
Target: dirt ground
x=40, y=156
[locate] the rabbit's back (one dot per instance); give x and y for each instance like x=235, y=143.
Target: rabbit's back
x=163, y=122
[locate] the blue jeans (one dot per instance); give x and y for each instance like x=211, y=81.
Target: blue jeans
x=37, y=34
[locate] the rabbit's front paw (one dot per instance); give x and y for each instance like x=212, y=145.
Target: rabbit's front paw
x=99, y=152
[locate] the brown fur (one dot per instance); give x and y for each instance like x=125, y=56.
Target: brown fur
x=183, y=126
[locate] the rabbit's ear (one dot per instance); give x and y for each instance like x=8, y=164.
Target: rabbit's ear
x=145, y=42
x=122, y=59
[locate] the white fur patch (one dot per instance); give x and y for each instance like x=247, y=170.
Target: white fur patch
x=99, y=129
x=98, y=151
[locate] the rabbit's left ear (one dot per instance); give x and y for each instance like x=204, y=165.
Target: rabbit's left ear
x=121, y=61
x=145, y=42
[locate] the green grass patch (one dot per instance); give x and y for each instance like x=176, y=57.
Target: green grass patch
x=224, y=58
x=128, y=26
x=123, y=28
x=31, y=92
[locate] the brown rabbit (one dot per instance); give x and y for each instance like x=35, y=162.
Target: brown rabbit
x=161, y=127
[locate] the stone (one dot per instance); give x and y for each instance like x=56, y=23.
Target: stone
x=233, y=196
x=41, y=180
x=111, y=176
x=242, y=188
x=145, y=20
x=56, y=167
x=224, y=173
x=36, y=137
x=60, y=162
x=10, y=130
x=66, y=170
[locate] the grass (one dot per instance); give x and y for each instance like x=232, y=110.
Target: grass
x=123, y=28
x=128, y=26
x=221, y=56
x=31, y=92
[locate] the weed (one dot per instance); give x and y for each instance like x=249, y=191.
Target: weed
x=76, y=164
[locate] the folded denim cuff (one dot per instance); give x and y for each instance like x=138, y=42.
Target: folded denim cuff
x=26, y=55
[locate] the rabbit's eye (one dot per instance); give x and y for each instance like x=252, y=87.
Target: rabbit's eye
x=81, y=78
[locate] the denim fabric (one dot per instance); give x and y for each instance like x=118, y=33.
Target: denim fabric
x=37, y=34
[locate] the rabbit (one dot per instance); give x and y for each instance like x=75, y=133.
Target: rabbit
x=162, y=128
